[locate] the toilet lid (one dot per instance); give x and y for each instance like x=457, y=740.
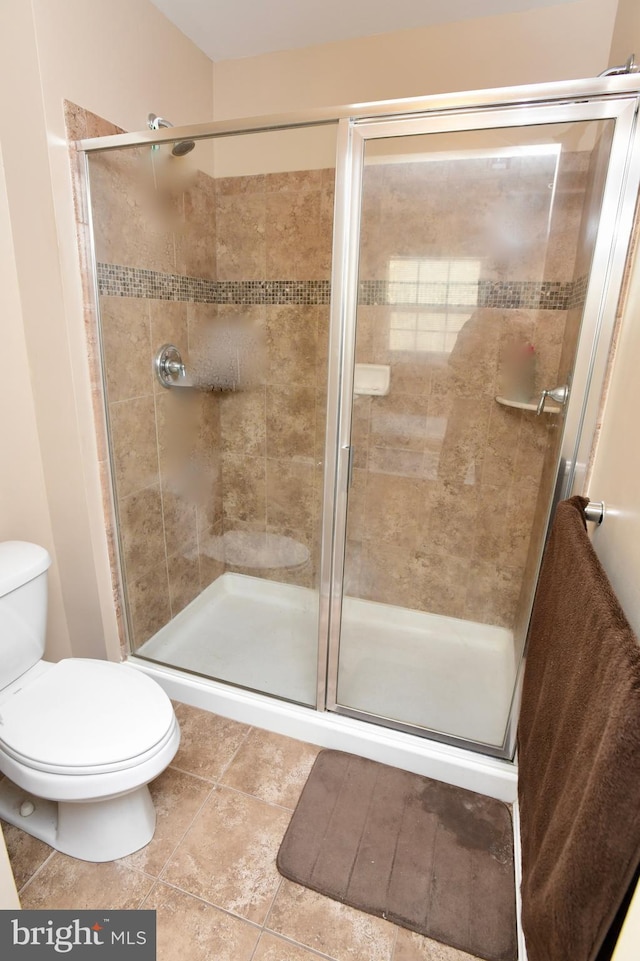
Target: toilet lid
x=82, y=714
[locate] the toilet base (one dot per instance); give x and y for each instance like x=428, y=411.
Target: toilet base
x=101, y=830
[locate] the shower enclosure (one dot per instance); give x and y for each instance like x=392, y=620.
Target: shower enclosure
x=341, y=499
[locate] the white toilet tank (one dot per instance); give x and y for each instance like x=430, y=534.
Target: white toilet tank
x=23, y=607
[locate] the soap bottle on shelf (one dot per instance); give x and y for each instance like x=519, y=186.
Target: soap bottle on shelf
x=522, y=373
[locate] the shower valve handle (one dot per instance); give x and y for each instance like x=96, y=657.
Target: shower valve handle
x=173, y=367
x=169, y=366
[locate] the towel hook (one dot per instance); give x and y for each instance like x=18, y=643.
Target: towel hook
x=595, y=511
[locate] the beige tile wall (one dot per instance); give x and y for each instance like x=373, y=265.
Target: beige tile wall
x=581, y=185
x=190, y=466
x=166, y=464
x=446, y=481
x=277, y=227
x=165, y=444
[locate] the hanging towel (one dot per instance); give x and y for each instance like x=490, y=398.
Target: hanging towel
x=579, y=751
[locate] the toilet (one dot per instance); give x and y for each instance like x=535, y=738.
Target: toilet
x=80, y=739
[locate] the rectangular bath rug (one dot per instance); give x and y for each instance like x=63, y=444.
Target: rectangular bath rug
x=428, y=856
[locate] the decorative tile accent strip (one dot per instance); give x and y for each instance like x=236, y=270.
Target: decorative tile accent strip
x=547, y=295
x=307, y=292
x=579, y=292
x=118, y=281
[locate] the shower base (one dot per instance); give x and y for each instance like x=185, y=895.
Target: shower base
x=441, y=673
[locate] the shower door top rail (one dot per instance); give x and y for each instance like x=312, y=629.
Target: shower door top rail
x=564, y=91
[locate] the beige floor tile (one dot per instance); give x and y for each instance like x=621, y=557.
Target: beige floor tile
x=272, y=948
x=330, y=927
x=65, y=882
x=272, y=767
x=413, y=947
x=26, y=854
x=224, y=863
x=208, y=742
x=177, y=798
x=187, y=928
x=228, y=856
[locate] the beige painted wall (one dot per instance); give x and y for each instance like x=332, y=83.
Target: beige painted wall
x=626, y=33
x=616, y=466
x=24, y=506
x=614, y=479
x=563, y=42
x=122, y=59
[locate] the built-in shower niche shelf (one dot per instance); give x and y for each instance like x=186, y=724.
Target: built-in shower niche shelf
x=527, y=405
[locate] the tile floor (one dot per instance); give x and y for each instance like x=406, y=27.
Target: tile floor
x=210, y=872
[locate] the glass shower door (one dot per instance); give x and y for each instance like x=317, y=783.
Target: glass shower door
x=476, y=253
x=225, y=254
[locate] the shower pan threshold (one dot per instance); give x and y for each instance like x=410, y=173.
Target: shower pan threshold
x=262, y=635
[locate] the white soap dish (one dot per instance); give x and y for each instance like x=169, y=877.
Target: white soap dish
x=372, y=379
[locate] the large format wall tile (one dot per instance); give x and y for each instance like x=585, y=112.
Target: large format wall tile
x=132, y=223
x=290, y=422
x=126, y=344
x=240, y=243
x=196, y=240
x=134, y=445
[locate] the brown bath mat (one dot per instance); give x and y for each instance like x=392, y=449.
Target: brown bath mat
x=428, y=856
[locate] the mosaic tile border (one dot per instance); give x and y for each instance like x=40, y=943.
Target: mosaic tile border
x=119, y=281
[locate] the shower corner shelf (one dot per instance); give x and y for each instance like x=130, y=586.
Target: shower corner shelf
x=526, y=405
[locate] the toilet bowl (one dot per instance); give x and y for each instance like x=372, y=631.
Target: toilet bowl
x=80, y=739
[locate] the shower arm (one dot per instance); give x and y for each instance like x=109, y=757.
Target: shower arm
x=629, y=67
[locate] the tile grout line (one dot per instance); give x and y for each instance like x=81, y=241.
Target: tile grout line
x=158, y=877
x=254, y=797
x=266, y=917
x=298, y=944
x=198, y=897
x=37, y=870
x=214, y=785
x=288, y=938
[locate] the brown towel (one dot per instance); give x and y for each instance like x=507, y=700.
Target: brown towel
x=579, y=751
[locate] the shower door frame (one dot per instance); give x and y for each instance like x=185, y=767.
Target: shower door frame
x=598, y=319
x=604, y=90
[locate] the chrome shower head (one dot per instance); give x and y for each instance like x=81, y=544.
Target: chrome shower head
x=181, y=147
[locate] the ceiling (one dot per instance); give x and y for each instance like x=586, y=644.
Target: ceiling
x=228, y=29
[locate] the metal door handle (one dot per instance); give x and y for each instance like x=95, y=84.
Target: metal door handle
x=349, y=449
x=559, y=394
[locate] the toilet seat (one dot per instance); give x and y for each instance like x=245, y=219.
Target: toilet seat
x=77, y=719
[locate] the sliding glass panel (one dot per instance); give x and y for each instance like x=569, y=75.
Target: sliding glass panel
x=474, y=256
x=223, y=252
